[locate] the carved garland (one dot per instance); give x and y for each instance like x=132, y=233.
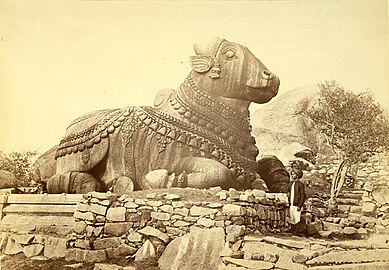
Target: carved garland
x=204, y=111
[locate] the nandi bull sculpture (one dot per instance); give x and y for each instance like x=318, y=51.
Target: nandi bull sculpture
x=196, y=136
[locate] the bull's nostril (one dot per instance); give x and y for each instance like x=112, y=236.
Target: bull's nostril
x=266, y=74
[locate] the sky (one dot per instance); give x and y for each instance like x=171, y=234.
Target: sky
x=61, y=59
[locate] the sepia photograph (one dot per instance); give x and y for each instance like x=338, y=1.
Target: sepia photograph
x=180, y=135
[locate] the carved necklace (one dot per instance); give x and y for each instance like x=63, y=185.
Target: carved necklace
x=213, y=115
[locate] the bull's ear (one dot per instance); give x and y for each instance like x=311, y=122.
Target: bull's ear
x=201, y=63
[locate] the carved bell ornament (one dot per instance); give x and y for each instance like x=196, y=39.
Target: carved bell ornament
x=205, y=59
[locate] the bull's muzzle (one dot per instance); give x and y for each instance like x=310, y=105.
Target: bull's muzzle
x=263, y=87
x=265, y=80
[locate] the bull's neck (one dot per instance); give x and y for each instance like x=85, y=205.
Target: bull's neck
x=195, y=100
x=218, y=116
x=241, y=107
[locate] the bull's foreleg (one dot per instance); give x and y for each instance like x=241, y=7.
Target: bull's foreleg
x=73, y=182
x=199, y=172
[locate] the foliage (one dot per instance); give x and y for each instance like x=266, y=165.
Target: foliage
x=354, y=123
x=18, y=163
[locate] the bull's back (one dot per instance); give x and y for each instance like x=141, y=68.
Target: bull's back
x=86, y=140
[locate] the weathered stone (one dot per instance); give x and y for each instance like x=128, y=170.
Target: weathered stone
x=133, y=217
x=201, y=211
x=117, y=228
x=181, y=211
x=250, y=264
x=172, y=197
x=200, y=249
x=12, y=247
x=82, y=207
x=100, y=219
x=314, y=227
x=355, y=209
x=233, y=194
x=145, y=252
x=82, y=243
x=98, y=209
x=349, y=230
x=285, y=262
x=23, y=239
x=343, y=208
x=269, y=257
x=80, y=227
x=160, y=215
x=55, y=247
x=206, y=222
x=88, y=216
x=134, y=237
x=131, y=205
x=381, y=195
x=104, y=266
x=121, y=251
x=97, y=230
x=178, y=204
x=329, y=226
x=226, y=251
x=116, y=214
x=222, y=195
x=378, y=239
x=156, y=178
x=215, y=205
x=181, y=223
x=259, y=193
x=32, y=250
x=167, y=209
x=286, y=242
x=233, y=232
x=150, y=231
x=232, y=210
x=251, y=247
x=104, y=243
x=362, y=232
x=369, y=209
x=174, y=231
x=299, y=258
x=154, y=203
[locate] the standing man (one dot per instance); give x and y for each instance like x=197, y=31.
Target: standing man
x=296, y=198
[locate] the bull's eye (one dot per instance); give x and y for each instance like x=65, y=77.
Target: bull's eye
x=229, y=54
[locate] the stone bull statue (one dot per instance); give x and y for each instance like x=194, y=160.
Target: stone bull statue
x=198, y=135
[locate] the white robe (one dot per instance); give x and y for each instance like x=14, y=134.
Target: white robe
x=295, y=215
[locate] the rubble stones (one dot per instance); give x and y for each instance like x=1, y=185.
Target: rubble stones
x=146, y=251
x=55, y=247
x=150, y=231
x=116, y=214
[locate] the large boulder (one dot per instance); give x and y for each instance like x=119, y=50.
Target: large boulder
x=284, y=121
x=7, y=179
x=200, y=249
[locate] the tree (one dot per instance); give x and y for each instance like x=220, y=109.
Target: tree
x=18, y=163
x=354, y=124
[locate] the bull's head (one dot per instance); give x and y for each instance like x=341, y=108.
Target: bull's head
x=229, y=70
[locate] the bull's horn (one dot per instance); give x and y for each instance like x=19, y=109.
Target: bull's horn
x=208, y=46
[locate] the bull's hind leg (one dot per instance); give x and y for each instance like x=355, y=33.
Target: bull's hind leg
x=73, y=182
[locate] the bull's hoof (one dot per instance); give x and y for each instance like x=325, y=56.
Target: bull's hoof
x=123, y=185
x=81, y=183
x=58, y=183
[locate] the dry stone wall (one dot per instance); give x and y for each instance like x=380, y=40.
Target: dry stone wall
x=107, y=226
x=362, y=205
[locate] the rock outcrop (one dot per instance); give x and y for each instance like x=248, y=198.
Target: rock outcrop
x=283, y=121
